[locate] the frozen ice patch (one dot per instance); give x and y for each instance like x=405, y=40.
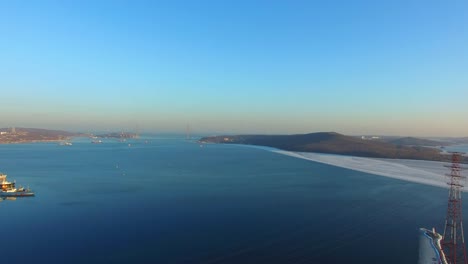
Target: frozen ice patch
x=419, y=171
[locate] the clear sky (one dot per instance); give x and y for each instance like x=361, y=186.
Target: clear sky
x=396, y=67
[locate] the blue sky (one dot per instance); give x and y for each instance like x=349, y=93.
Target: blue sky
x=355, y=67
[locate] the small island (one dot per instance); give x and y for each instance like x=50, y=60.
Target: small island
x=335, y=143
x=121, y=135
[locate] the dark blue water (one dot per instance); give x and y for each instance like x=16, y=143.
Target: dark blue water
x=172, y=201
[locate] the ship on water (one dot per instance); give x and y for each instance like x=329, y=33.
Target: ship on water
x=65, y=143
x=9, y=189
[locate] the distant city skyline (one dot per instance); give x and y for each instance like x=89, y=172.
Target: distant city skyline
x=354, y=67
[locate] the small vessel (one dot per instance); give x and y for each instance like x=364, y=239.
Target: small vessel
x=8, y=189
x=65, y=143
x=96, y=141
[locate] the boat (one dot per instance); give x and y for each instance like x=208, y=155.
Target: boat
x=66, y=143
x=96, y=141
x=8, y=189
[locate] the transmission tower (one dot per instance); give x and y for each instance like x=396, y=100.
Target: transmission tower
x=453, y=242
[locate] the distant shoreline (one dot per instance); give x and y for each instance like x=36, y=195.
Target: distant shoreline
x=21, y=135
x=334, y=143
x=33, y=141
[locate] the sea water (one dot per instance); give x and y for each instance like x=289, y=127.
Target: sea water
x=169, y=200
x=460, y=148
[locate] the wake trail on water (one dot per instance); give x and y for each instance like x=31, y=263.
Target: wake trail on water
x=418, y=171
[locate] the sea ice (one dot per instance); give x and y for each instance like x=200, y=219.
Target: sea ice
x=419, y=171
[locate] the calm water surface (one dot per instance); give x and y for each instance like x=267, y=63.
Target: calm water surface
x=460, y=148
x=172, y=201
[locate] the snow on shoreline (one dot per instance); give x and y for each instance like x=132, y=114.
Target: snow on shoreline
x=418, y=171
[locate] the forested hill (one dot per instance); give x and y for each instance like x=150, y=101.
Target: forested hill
x=411, y=141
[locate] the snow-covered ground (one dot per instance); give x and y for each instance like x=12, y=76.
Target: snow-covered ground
x=425, y=172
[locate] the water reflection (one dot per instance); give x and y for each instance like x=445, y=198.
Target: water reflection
x=7, y=198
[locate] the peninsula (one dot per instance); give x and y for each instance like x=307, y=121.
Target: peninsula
x=334, y=143
x=27, y=135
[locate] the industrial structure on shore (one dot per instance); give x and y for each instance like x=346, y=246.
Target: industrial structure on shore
x=449, y=248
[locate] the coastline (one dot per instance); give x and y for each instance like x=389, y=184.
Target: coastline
x=21, y=135
x=33, y=141
x=417, y=171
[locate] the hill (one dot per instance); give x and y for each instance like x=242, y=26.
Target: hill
x=412, y=141
x=333, y=143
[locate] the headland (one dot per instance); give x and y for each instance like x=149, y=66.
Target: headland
x=28, y=135
x=335, y=143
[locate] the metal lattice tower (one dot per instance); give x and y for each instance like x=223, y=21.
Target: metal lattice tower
x=453, y=243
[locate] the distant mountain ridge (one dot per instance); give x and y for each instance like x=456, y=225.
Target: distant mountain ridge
x=334, y=143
